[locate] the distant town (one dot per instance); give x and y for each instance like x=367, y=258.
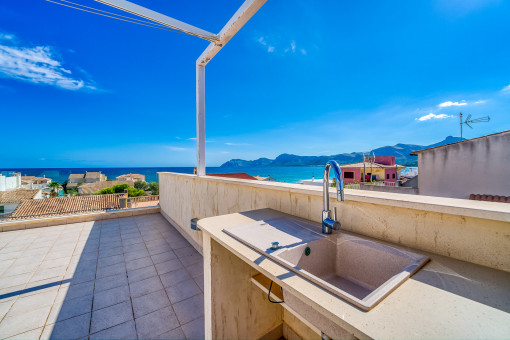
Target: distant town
x=23, y=196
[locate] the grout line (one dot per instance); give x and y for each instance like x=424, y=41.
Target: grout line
x=94, y=285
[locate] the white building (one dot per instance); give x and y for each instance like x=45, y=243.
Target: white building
x=476, y=166
x=313, y=181
x=10, y=182
x=34, y=182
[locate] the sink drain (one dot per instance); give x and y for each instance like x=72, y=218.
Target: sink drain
x=307, y=251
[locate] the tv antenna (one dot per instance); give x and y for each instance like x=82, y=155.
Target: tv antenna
x=469, y=121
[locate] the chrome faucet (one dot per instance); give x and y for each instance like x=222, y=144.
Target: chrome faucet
x=329, y=223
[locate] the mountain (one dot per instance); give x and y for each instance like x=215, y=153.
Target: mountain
x=400, y=151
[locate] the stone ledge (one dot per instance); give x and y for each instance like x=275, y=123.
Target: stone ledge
x=454, y=206
x=76, y=218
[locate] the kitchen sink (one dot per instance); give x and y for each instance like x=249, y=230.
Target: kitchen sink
x=357, y=269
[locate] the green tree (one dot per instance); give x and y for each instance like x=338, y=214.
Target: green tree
x=64, y=187
x=142, y=185
x=119, y=189
x=72, y=192
x=154, y=188
x=55, y=186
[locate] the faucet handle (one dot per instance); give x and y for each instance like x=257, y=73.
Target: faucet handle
x=336, y=225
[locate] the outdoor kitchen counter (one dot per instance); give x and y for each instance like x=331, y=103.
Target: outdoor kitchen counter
x=446, y=299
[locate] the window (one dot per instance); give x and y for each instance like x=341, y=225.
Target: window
x=348, y=174
x=393, y=176
x=387, y=176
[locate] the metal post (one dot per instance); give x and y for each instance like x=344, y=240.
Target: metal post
x=461, y=126
x=364, y=168
x=200, y=120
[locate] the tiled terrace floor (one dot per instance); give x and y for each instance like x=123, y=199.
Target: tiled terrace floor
x=129, y=278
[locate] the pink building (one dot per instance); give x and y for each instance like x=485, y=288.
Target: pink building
x=383, y=169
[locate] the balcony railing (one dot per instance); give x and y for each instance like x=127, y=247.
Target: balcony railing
x=358, y=186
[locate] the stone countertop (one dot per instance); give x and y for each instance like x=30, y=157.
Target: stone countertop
x=447, y=299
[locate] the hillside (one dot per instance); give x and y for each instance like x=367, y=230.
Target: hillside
x=400, y=151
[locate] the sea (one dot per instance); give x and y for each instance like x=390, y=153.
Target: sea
x=288, y=174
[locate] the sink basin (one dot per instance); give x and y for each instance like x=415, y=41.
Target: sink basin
x=359, y=270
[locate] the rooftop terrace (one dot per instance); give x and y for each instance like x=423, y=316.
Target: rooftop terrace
x=133, y=277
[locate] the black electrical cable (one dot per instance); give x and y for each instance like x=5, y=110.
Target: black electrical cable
x=269, y=294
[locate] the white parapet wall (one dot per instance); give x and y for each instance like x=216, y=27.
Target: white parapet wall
x=9, y=182
x=476, y=166
x=472, y=231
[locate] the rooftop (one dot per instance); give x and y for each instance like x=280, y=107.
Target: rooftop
x=93, y=174
x=91, y=188
x=66, y=206
x=506, y=132
x=76, y=176
x=239, y=175
x=133, y=277
x=17, y=195
x=131, y=176
x=34, y=179
x=368, y=165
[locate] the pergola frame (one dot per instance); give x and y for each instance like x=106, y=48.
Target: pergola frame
x=217, y=42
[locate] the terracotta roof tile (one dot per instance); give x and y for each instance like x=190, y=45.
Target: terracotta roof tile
x=65, y=206
x=240, y=175
x=17, y=195
x=35, y=180
x=90, y=188
x=490, y=198
x=134, y=177
x=96, y=174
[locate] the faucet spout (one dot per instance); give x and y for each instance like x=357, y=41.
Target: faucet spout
x=329, y=224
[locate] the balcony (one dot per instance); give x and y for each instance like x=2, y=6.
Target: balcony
x=130, y=277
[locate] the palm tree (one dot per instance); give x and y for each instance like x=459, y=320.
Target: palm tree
x=55, y=186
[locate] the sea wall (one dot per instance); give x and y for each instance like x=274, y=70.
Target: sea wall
x=472, y=231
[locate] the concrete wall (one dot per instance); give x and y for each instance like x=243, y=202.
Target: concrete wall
x=356, y=172
x=9, y=182
x=477, y=166
x=472, y=231
x=8, y=208
x=68, y=219
x=397, y=190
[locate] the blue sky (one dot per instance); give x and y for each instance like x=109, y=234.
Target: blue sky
x=302, y=77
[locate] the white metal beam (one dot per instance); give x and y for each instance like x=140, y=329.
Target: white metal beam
x=160, y=18
x=200, y=120
x=241, y=17
x=238, y=20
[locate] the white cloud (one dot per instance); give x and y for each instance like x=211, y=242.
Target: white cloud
x=236, y=144
x=483, y=101
x=272, y=46
x=262, y=41
x=37, y=65
x=433, y=116
x=191, y=138
x=4, y=36
x=175, y=148
x=506, y=89
x=450, y=103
